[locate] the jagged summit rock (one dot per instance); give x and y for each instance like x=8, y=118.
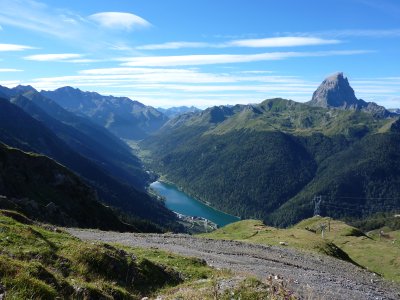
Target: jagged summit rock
x=335, y=92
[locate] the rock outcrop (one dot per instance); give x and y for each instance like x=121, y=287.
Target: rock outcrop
x=335, y=92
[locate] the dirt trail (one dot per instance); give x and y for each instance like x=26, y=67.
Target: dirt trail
x=310, y=276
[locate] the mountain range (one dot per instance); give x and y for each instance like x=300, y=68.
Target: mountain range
x=126, y=118
x=269, y=160
x=103, y=161
x=265, y=160
x=175, y=111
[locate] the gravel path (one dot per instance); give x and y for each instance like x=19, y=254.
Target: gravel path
x=310, y=276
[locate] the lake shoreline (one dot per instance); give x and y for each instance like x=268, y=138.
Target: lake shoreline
x=177, y=200
x=166, y=181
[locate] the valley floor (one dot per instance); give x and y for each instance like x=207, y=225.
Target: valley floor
x=311, y=276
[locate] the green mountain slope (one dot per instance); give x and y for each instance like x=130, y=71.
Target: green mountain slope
x=266, y=160
x=31, y=135
x=358, y=181
x=48, y=192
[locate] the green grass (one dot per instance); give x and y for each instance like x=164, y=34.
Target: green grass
x=300, y=119
x=42, y=262
x=380, y=255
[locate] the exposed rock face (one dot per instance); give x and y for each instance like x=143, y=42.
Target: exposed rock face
x=336, y=92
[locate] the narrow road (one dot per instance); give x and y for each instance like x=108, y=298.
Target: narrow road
x=310, y=276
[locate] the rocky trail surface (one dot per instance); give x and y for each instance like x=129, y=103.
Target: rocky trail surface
x=310, y=276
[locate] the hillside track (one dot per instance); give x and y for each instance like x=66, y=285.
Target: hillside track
x=310, y=276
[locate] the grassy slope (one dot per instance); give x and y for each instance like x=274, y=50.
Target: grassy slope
x=41, y=262
x=343, y=241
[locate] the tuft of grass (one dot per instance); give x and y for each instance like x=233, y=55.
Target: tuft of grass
x=37, y=263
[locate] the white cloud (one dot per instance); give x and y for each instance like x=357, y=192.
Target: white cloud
x=208, y=59
x=64, y=24
x=147, y=75
x=36, y=16
x=371, y=33
x=10, y=83
x=119, y=20
x=175, y=45
x=9, y=70
x=82, y=60
x=14, y=47
x=172, y=79
x=60, y=57
x=289, y=41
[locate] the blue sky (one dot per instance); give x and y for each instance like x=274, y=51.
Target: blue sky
x=205, y=52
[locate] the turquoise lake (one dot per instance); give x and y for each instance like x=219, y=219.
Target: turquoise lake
x=182, y=203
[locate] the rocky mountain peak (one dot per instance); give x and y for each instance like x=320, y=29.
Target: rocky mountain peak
x=335, y=91
x=20, y=89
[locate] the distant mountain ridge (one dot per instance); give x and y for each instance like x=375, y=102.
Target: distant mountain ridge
x=175, y=111
x=336, y=92
x=126, y=118
x=395, y=110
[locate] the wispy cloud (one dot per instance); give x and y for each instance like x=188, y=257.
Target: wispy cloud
x=176, y=45
x=367, y=33
x=60, y=57
x=67, y=25
x=272, y=42
x=119, y=20
x=10, y=83
x=14, y=47
x=177, y=75
x=36, y=16
x=9, y=70
x=289, y=41
x=209, y=59
x=171, y=78
x=293, y=39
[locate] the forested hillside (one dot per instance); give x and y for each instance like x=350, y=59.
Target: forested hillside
x=269, y=160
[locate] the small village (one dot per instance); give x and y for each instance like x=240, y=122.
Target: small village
x=195, y=224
